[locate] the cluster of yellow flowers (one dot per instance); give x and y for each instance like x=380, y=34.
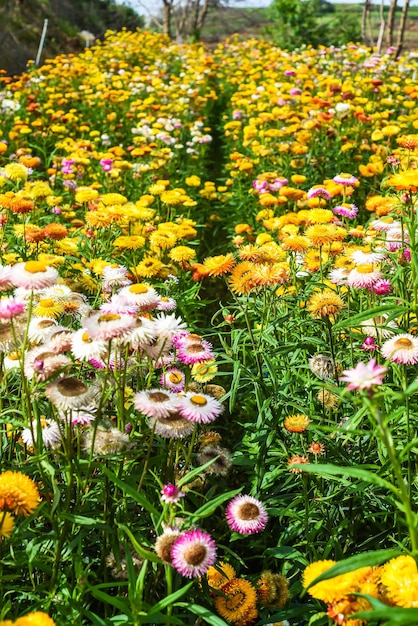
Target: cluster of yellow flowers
x=37, y=618
x=395, y=584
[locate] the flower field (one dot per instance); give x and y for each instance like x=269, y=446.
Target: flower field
x=209, y=336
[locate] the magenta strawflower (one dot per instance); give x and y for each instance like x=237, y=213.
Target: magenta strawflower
x=318, y=191
x=193, y=553
x=171, y=494
x=246, y=515
x=401, y=349
x=369, y=343
x=346, y=210
x=364, y=376
x=197, y=352
x=381, y=287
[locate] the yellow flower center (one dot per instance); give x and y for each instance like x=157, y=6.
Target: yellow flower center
x=108, y=317
x=35, y=266
x=404, y=342
x=14, y=356
x=175, y=377
x=47, y=303
x=86, y=338
x=199, y=400
x=138, y=288
x=235, y=601
x=365, y=268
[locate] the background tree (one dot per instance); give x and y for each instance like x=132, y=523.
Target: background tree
x=391, y=22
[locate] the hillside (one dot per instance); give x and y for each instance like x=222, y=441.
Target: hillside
x=21, y=23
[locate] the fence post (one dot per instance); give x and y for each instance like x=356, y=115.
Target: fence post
x=41, y=43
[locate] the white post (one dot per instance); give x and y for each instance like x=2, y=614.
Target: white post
x=41, y=43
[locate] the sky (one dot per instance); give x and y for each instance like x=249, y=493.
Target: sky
x=155, y=5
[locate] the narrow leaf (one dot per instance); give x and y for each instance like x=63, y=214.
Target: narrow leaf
x=170, y=599
x=352, y=472
x=205, y=614
x=368, y=314
x=139, y=549
x=208, y=508
x=131, y=491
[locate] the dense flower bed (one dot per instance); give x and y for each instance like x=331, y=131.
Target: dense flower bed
x=208, y=334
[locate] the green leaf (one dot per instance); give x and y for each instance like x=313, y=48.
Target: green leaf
x=283, y=552
x=113, y=601
x=208, y=508
x=391, y=616
x=50, y=471
x=187, y=478
x=205, y=614
x=368, y=314
x=353, y=472
x=170, y=599
x=146, y=554
x=365, y=559
x=81, y=520
x=131, y=491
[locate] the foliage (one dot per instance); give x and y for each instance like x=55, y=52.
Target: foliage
x=208, y=336
x=300, y=22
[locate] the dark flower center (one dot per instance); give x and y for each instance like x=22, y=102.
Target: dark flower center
x=70, y=387
x=248, y=511
x=195, y=554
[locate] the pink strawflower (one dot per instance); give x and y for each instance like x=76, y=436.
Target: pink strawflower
x=67, y=166
x=193, y=553
x=401, y=349
x=173, y=379
x=155, y=403
x=278, y=183
x=171, y=494
x=364, y=276
x=196, y=352
x=5, y=277
x=10, y=307
x=167, y=304
x=364, y=376
x=318, y=191
x=345, y=179
x=261, y=186
x=106, y=164
x=407, y=254
x=246, y=515
x=199, y=407
x=346, y=210
x=107, y=326
x=33, y=275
